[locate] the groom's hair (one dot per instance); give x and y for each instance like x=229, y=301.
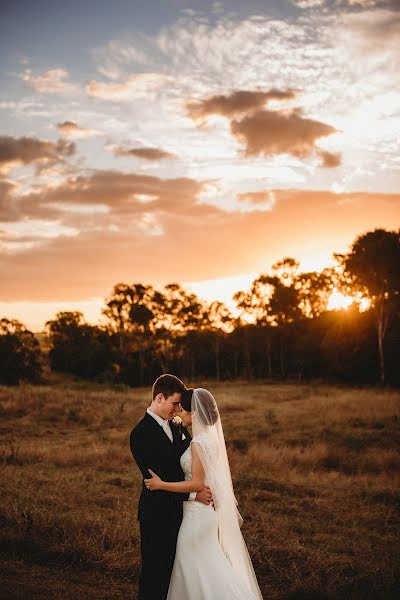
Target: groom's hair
x=168, y=385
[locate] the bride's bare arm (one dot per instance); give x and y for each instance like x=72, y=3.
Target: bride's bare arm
x=195, y=485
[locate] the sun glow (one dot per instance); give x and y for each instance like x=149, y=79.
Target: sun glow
x=338, y=301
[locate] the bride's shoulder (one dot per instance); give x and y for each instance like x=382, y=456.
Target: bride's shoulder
x=204, y=441
x=200, y=438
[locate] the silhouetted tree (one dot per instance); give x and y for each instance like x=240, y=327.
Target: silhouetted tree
x=132, y=312
x=20, y=354
x=284, y=309
x=283, y=306
x=286, y=270
x=149, y=322
x=314, y=290
x=180, y=313
x=219, y=321
x=129, y=310
x=79, y=348
x=374, y=264
x=283, y=325
x=348, y=347
x=183, y=311
x=254, y=307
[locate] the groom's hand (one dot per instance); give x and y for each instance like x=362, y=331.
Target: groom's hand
x=205, y=496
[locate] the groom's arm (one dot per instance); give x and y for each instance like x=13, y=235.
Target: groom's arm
x=196, y=484
x=138, y=449
x=142, y=454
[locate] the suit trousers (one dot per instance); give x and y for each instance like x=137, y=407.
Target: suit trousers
x=158, y=537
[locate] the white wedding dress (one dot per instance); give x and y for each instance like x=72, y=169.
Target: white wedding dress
x=201, y=569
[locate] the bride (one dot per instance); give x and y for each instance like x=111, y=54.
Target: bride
x=211, y=561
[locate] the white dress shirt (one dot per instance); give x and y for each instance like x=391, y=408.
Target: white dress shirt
x=164, y=424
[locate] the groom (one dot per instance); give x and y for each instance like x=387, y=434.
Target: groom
x=158, y=444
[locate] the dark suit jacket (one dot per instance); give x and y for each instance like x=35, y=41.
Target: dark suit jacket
x=151, y=448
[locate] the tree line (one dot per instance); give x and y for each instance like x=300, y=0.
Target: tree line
x=282, y=328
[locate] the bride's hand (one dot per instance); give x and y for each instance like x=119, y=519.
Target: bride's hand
x=154, y=483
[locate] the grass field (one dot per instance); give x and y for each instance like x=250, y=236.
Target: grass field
x=315, y=469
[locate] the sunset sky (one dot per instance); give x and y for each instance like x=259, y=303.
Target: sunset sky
x=193, y=142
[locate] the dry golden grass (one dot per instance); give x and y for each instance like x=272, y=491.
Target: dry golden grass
x=315, y=469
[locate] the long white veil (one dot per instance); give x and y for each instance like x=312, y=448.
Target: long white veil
x=209, y=438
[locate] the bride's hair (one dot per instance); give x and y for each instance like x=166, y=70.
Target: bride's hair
x=186, y=399
x=209, y=410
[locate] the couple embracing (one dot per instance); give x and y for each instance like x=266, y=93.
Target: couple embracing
x=191, y=544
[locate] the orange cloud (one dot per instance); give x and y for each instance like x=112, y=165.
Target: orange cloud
x=238, y=102
x=176, y=238
x=72, y=130
x=8, y=210
x=53, y=81
x=122, y=194
x=258, y=198
x=135, y=85
x=27, y=150
x=362, y=3
x=372, y=33
x=146, y=153
x=270, y=132
x=267, y=132
x=330, y=160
